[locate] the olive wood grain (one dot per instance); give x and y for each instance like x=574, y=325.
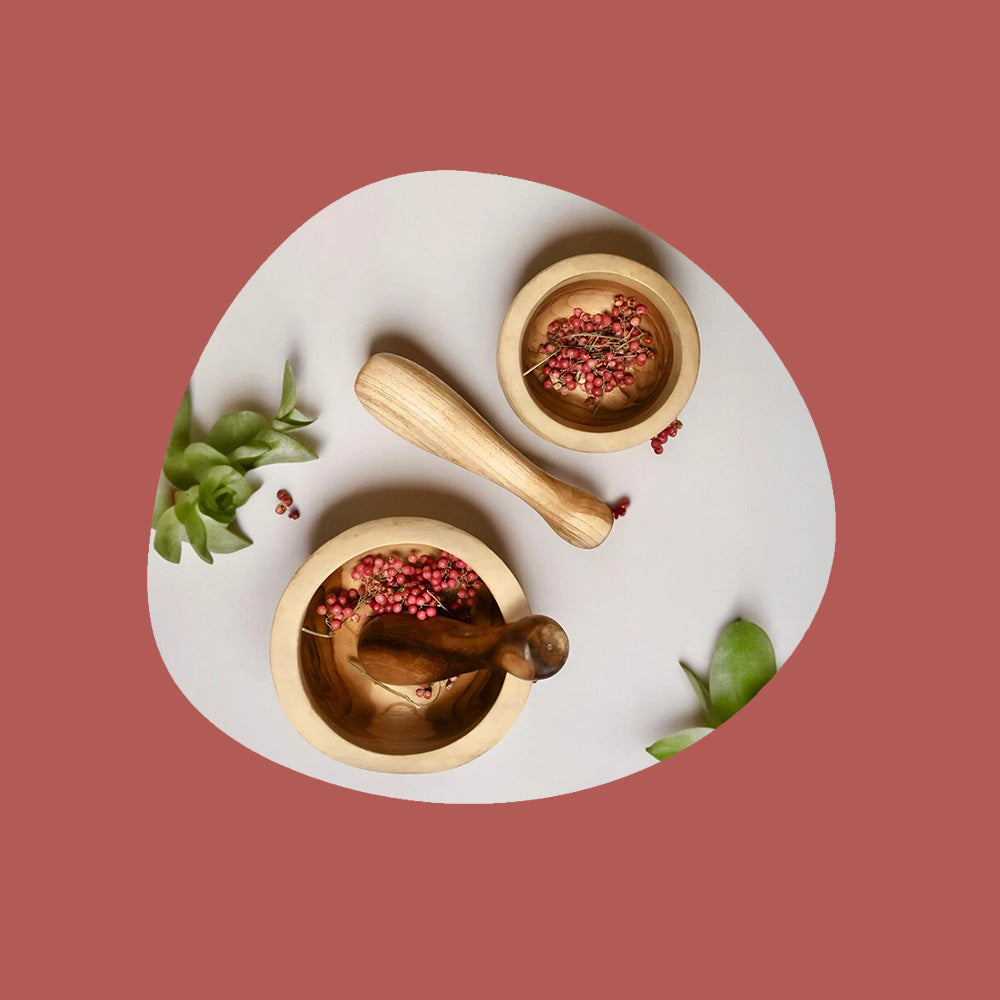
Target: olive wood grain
x=399, y=649
x=423, y=410
x=348, y=716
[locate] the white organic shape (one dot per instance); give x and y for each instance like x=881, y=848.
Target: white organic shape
x=736, y=517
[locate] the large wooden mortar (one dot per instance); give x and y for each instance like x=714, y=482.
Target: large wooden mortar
x=347, y=716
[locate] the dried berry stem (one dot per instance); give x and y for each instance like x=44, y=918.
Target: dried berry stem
x=357, y=666
x=539, y=365
x=595, y=352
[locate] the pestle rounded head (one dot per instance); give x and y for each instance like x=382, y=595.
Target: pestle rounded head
x=548, y=645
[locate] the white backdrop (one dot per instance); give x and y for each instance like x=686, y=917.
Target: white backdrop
x=736, y=517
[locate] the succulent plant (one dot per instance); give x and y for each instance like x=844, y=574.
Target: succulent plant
x=204, y=483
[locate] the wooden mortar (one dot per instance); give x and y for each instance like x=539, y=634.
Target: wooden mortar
x=350, y=717
x=628, y=416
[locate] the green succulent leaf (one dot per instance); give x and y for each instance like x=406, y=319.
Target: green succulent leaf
x=190, y=517
x=288, y=392
x=669, y=745
x=174, y=466
x=247, y=454
x=292, y=421
x=701, y=690
x=201, y=458
x=164, y=499
x=289, y=418
x=223, y=490
x=743, y=663
x=176, y=470
x=169, y=534
x=180, y=433
x=223, y=539
x=281, y=448
x=236, y=429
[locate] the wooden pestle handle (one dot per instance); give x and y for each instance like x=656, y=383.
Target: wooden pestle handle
x=399, y=649
x=419, y=407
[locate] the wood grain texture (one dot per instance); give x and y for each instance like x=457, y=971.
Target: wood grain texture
x=626, y=417
x=419, y=407
x=399, y=649
x=348, y=716
x=367, y=714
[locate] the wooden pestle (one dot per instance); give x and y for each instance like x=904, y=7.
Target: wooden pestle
x=419, y=407
x=399, y=649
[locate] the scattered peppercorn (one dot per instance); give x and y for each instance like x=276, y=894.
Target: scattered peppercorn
x=660, y=440
x=620, y=508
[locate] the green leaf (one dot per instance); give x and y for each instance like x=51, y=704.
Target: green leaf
x=288, y=393
x=669, y=745
x=231, y=431
x=201, y=458
x=190, y=517
x=743, y=663
x=174, y=466
x=281, y=448
x=223, y=490
x=180, y=433
x=701, y=690
x=292, y=421
x=289, y=418
x=164, y=499
x=176, y=469
x=222, y=539
x=247, y=454
x=169, y=533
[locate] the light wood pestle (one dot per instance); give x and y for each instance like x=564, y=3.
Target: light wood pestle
x=419, y=407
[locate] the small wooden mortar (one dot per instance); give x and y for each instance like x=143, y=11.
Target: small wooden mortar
x=628, y=416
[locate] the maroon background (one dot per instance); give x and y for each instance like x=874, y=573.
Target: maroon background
x=832, y=167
